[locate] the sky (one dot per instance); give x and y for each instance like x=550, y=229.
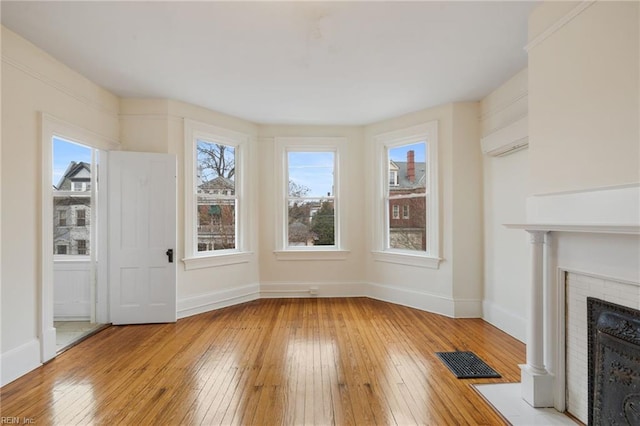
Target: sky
x=65, y=152
x=313, y=170
x=400, y=153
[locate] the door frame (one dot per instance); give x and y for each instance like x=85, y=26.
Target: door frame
x=51, y=126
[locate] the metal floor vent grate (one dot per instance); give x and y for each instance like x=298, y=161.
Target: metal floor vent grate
x=467, y=365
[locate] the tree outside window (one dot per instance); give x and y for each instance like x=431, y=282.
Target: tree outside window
x=310, y=198
x=216, y=196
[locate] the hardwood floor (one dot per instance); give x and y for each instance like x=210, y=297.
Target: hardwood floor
x=269, y=362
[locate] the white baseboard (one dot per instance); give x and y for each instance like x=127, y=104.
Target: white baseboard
x=507, y=321
x=413, y=299
x=217, y=299
x=467, y=308
x=19, y=361
x=270, y=290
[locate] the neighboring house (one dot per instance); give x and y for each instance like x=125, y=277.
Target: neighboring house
x=407, y=221
x=72, y=211
x=216, y=216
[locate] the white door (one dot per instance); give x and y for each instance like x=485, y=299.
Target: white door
x=142, y=237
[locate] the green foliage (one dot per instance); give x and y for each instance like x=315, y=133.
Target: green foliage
x=322, y=225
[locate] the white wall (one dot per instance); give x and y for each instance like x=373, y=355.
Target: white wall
x=584, y=72
x=452, y=289
x=279, y=277
x=33, y=82
x=158, y=126
x=506, y=187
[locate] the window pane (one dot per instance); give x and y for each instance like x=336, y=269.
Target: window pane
x=311, y=222
x=71, y=172
x=408, y=169
x=408, y=233
x=216, y=169
x=300, y=218
x=407, y=216
x=311, y=174
x=216, y=225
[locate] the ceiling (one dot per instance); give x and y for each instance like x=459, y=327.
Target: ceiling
x=326, y=63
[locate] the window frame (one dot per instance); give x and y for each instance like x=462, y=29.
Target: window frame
x=284, y=145
x=427, y=133
x=405, y=211
x=194, y=131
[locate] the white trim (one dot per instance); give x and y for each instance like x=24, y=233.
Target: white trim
x=283, y=145
x=413, y=299
x=213, y=261
x=217, y=299
x=467, y=308
x=317, y=254
x=19, y=361
x=503, y=106
x=50, y=127
x=581, y=7
x=194, y=130
x=274, y=290
x=613, y=205
x=507, y=321
x=428, y=133
x=73, y=133
x=61, y=87
x=408, y=259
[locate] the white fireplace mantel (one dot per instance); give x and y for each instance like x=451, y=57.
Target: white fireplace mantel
x=595, y=232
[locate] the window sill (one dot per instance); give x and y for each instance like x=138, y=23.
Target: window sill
x=315, y=254
x=213, y=261
x=407, y=259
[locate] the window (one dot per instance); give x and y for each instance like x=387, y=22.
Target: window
x=216, y=219
x=309, y=217
x=393, y=177
x=310, y=199
x=72, y=198
x=82, y=247
x=80, y=217
x=396, y=211
x=409, y=158
x=216, y=196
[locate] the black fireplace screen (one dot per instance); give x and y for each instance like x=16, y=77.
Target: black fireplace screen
x=614, y=363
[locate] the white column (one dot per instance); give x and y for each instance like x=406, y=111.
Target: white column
x=537, y=384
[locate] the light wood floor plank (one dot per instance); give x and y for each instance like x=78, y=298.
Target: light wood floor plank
x=271, y=362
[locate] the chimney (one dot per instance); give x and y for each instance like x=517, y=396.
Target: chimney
x=411, y=166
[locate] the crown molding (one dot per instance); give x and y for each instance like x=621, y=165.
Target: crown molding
x=581, y=7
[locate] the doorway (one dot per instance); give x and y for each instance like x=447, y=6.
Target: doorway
x=73, y=250
x=75, y=236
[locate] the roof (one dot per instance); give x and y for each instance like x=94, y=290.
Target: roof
x=403, y=182
x=72, y=170
x=218, y=182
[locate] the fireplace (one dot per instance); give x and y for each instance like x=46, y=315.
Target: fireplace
x=590, y=236
x=614, y=363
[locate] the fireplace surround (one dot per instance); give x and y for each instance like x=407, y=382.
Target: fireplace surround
x=594, y=233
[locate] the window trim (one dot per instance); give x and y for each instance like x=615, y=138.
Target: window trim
x=284, y=145
x=426, y=132
x=194, y=131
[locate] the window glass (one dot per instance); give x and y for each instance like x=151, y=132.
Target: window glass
x=72, y=198
x=311, y=199
x=409, y=193
x=216, y=196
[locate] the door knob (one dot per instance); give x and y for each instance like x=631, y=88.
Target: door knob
x=169, y=254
